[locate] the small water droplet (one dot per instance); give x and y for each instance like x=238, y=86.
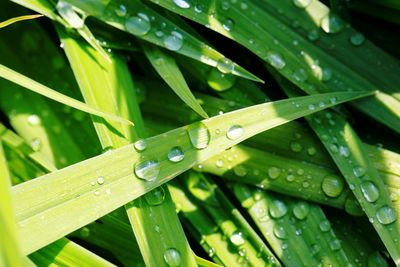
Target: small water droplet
x=225, y=65
x=234, y=132
x=198, y=8
x=155, y=197
x=344, y=151
x=311, y=151
x=279, y=231
x=240, y=170
x=331, y=23
x=315, y=248
x=172, y=256
x=182, y=3
x=174, y=41
x=290, y=178
x=276, y=60
x=296, y=146
x=357, y=39
x=333, y=148
x=175, y=154
x=199, y=135
x=147, y=170
x=334, y=244
x=34, y=120
x=386, y=215
x=140, y=145
x=301, y=210
x=302, y=3
x=332, y=186
x=358, y=171
x=325, y=226
x=313, y=35
x=306, y=184
x=277, y=209
x=237, y=238
x=138, y=25
x=300, y=75
x=274, y=172
x=370, y=191
x=228, y=24
x=219, y=163
x=333, y=100
x=100, y=180
x=36, y=144
x=121, y=11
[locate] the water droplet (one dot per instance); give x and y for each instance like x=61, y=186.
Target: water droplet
x=326, y=76
x=302, y=3
x=344, y=151
x=370, y=191
x=333, y=100
x=237, y=238
x=140, y=145
x=313, y=35
x=182, y=3
x=68, y=13
x=100, y=180
x=234, y=132
x=199, y=135
x=300, y=75
x=243, y=6
x=219, y=163
x=138, y=25
x=296, y=147
x=173, y=42
x=220, y=81
x=386, y=215
x=325, y=226
x=358, y=171
x=225, y=65
x=311, y=151
x=34, y=120
x=357, y=39
x=290, y=178
x=277, y=209
x=332, y=186
x=36, y=144
x=276, y=60
x=175, y=154
x=311, y=107
x=121, y=11
x=147, y=170
x=301, y=210
x=331, y=24
x=285, y=246
x=300, y=171
x=334, y=244
x=315, y=248
x=172, y=256
x=155, y=197
x=333, y=148
x=274, y=172
x=198, y=8
x=228, y=24
x=279, y=231
x=240, y=170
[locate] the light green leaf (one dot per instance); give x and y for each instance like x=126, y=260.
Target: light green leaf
x=19, y=18
x=166, y=66
x=36, y=87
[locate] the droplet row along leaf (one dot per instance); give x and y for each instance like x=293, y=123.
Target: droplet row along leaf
x=291, y=53
x=116, y=168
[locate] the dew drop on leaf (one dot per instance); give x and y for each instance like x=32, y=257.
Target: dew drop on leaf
x=228, y=24
x=147, y=170
x=277, y=209
x=301, y=210
x=369, y=191
x=140, y=145
x=138, y=25
x=276, y=60
x=331, y=24
x=357, y=39
x=155, y=197
x=237, y=238
x=325, y=226
x=199, y=135
x=279, y=231
x=182, y=3
x=121, y=11
x=386, y=215
x=274, y=172
x=225, y=65
x=332, y=186
x=174, y=41
x=175, y=154
x=234, y=132
x=172, y=257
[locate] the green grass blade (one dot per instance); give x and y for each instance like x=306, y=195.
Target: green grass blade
x=113, y=85
x=114, y=170
x=41, y=6
x=166, y=66
x=17, y=19
x=205, y=263
x=9, y=249
x=36, y=87
x=173, y=38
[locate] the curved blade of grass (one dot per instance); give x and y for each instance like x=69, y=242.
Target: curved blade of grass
x=166, y=66
x=41, y=6
x=205, y=263
x=286, y=41
x=113, y=85
x=17, y=19
x=9, y=249
x=86, y=203
x=173, y=37
x=36, y=87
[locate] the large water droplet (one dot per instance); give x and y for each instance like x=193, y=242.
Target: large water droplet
x=370, y=191
x=325, y=226
x=274, y=172
x=147, y=170
x=301, y=210
x=386, y=215
x=175, y=154
x=276, y=60
x=140, y=145
x=234, y=132
x=173, y=42
x=220, y=81
x=357, y=39
x=279, y=231
x=237, y=238
x=277, y=209
x=138, y=25
x=155, y=197
x=302, y=3
x=182, y=3
x=332, y=186
x=225, y=65
x=331, y=23
x=228, y=24
x=199, y=135
x=172, y=257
